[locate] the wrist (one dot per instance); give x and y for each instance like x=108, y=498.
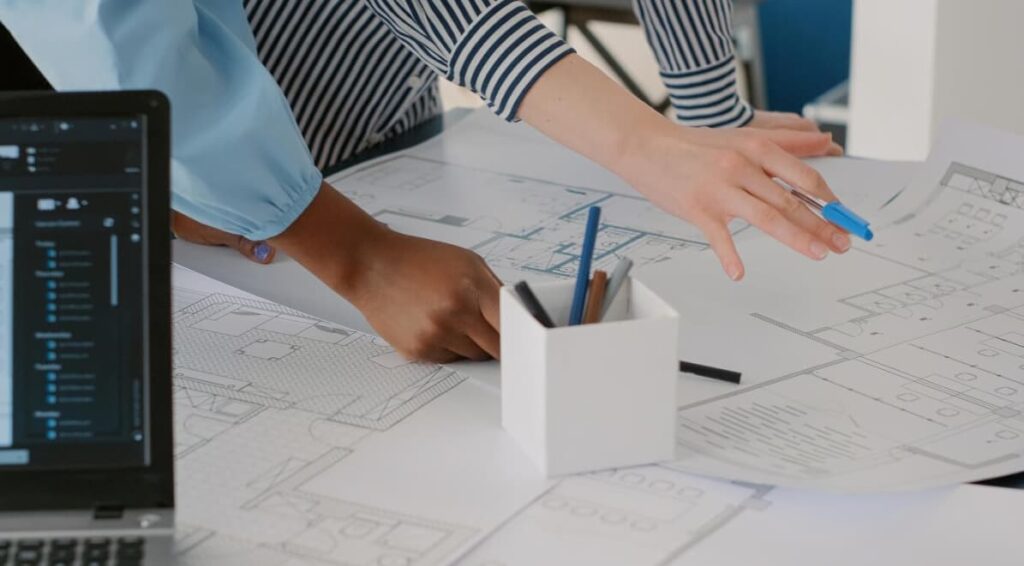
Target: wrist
x=637, y=146
x=335, y=240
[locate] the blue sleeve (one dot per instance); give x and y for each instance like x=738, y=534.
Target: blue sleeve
x=496, y=48
x=692, y=42
x=239, y=161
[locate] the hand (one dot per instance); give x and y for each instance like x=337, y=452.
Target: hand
x=429, y=300
x=709, y=177
x=765, y=120
x=197, y=233
x=705, y=176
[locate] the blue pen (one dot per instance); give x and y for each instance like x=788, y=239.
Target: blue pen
x=579, y=298
x=834, y=212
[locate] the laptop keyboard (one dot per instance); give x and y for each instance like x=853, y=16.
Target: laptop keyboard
x=126, y=551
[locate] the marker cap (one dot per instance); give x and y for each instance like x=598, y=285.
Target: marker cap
x=848, y=220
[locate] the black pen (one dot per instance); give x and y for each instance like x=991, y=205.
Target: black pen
x=532, y=304
x=710, y=372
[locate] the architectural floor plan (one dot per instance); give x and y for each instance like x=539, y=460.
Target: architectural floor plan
x=924, y=385
x=249, y=443
x=523, y=227
x=897, y=366
x=264, y=399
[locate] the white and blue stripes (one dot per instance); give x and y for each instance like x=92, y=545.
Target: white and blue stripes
x=357, y=72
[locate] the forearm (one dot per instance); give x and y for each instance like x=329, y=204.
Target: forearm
x=333, y=238
x=577, y=105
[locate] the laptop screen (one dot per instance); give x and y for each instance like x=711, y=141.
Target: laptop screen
x=73, y=314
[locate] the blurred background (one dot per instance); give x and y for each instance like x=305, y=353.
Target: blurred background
x=913, y=63
x=793, y=51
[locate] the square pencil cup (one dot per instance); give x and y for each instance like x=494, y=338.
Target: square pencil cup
x=593, y=396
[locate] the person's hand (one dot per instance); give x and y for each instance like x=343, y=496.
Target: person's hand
x=766, y=120
x=431, y=301
x=192, y=231
x=706, y=176
x=710, y=177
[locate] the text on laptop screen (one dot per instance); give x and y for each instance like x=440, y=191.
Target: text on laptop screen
x=72, y=287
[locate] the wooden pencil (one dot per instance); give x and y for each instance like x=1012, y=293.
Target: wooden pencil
x=595, y=297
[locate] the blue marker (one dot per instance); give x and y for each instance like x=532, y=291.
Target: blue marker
x=579, y=298
x=834, y=212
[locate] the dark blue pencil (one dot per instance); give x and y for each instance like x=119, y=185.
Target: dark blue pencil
x=579, y=298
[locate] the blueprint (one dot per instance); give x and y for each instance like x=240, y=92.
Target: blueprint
x=523, y=227
x=265, y=476
x=266, y=398
x=904, y=361
x=302, y=441
x=271, y=483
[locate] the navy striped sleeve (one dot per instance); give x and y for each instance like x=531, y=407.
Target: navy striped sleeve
x=496, y=48
x=692, y=42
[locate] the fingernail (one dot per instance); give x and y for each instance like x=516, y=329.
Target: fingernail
x=734, y=272
x=842, y=242
x=262, y=251
x=818, y=250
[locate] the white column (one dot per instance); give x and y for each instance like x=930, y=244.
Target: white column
x=918, y=62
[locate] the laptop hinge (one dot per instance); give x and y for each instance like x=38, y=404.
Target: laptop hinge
x=108, y=511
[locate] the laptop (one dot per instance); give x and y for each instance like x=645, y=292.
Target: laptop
x=86, y=456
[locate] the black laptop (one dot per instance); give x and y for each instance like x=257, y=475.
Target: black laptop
x=86, y=468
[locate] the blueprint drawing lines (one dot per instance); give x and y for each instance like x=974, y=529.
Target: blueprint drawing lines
x=521, y=226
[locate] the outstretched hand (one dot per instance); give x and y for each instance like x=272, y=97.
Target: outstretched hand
x=710, y=177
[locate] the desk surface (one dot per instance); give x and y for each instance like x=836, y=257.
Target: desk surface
x=268, y=281
x=424, y=480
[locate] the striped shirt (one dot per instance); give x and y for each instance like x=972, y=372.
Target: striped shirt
x=352, y=72
x=357, y=72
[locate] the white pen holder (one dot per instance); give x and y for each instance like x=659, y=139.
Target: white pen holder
x=594, y=396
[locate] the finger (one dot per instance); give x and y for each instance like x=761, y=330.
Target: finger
x=485, y=336
x=770, y=192
x=466, y=348
x=485, y=329
x=720, y=240
x=798, y=122
x=195, y=232
x=778, y=163
x=800, y=144
x=835, y=150
x=774, y=223
x=260, y=252
x=434, y=355
x=198, y=233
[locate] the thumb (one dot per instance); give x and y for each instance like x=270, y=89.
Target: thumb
x=198, y=233
x=260, y=252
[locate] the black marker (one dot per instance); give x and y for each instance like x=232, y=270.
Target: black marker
x=532, y=304
x=710, y=372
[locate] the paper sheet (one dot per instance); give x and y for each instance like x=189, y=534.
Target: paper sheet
x=265, y=399
x=897, y=366
x=264, y=479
